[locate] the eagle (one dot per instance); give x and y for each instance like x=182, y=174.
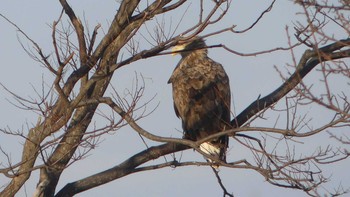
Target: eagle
x=201, y=94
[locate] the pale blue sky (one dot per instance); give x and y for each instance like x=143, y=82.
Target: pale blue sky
x=249, y=77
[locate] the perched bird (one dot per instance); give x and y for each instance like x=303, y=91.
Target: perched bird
x=201, y=94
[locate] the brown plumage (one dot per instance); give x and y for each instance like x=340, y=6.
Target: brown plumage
x=202, y=97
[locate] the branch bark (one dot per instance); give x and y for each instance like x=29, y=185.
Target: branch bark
x=129, y=166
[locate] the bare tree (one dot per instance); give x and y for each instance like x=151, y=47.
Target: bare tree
x=83, y=64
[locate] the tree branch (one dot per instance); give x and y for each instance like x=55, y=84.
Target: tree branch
x=309, y=60
x=125, y=168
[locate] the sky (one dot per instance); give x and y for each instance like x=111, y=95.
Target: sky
x=249, y=78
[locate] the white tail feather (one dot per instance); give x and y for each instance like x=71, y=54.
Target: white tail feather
x=210, y=149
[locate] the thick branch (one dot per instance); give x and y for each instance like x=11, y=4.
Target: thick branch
x=125, y=168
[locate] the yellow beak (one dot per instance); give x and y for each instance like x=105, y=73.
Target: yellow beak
x=175, y=50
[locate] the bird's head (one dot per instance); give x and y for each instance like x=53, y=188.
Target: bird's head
x=187, y=46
